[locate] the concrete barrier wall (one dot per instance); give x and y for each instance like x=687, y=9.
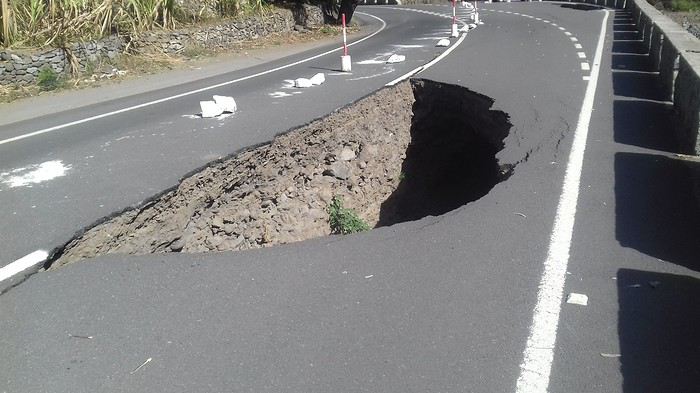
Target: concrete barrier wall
x=675, y=54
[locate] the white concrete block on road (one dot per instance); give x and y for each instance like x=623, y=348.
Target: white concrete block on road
x=302, y=83
x=227, y=104
x=210, y=109
x=443, y=42
x=577, y=298
x=318, y=79
x=396, y=59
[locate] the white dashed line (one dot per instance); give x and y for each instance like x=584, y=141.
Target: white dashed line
x=538, y=355
x=586, y=78
x=585, y=66
x=581, y=55
x=578, y=46
x=574, y=39
x=430, y=64
x=561, y=28
x=567, y=33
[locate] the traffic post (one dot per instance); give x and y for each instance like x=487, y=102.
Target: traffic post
x=345, y=62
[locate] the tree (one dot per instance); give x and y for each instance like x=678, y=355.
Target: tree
x=334, y=9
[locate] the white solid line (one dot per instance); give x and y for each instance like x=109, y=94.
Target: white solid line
x=585, y=66
x=22, y=264
x=425, y=67
x=578, y=46
x=581, y=55
x=538, y=355
x=159, y=101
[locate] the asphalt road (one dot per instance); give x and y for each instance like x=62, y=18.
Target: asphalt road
x=123, y=158
x=443, y=304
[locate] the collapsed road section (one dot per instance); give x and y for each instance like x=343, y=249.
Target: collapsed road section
x=416, y=149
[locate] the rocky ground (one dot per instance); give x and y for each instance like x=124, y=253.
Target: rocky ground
x=273, y=194
x=689, y=20
x=418, y=149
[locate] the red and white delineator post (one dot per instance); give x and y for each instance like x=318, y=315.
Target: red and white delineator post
x=455, y=30
x=345, y=62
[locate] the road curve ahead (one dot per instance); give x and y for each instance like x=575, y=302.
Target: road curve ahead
x=559, y=279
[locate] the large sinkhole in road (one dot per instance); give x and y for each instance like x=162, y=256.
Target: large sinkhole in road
x=417, y=149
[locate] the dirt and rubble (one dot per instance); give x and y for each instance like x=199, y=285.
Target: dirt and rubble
x=279, y=192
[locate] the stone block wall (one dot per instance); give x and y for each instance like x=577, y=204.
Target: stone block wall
x=24, y=68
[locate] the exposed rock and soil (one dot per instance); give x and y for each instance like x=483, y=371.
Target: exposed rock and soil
x=381, y=162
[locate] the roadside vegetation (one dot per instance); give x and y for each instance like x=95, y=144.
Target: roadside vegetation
x=676, y=5
x=40, y=23
x=43, y=23
x=344, y=221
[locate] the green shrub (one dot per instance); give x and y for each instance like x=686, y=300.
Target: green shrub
x=49, y=79
x=685, y=5
x=344, y=221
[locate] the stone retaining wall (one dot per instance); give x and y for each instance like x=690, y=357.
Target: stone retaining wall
x=225, y=35
x=23, y=68
x=16, y=68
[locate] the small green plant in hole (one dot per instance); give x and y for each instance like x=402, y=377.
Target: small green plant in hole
x=48, y=79
x=342, y=220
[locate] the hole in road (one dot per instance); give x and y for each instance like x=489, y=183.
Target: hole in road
x=451, y=159
x=409, y=151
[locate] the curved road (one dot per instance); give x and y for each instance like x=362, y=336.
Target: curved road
x=471, y=301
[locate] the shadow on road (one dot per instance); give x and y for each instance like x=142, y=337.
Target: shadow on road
x=644, y=124
x=658, y=320
x=656, y=212
x=581, y=7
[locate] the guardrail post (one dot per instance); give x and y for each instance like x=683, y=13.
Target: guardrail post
x=686, y=104
x=668, y=66
x=646, y=30
x=657, y=40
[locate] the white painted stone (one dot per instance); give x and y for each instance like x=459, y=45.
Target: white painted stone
x=302, y=83
x=577, y=298
x=227, y=104
x=396, y=59
x=345, y=63
x=210, y=109
x=318, y=79
x=443, y=42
